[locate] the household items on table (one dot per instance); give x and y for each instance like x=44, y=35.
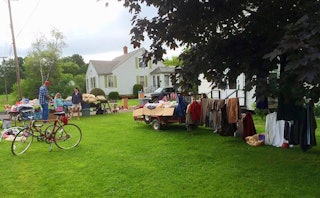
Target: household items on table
x=101, y=104
x=23, y=109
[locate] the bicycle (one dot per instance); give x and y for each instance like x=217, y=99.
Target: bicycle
x=62, y=133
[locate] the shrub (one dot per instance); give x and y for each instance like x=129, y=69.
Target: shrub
x=136, y=88
x=114, y=95
x=97, y=92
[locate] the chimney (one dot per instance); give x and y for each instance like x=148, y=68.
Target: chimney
x=125, y=50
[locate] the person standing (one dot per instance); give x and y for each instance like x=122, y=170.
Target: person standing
x=58, y=103
x=76, y=102
x=44, y=99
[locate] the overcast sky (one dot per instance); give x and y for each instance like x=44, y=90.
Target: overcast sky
x=92, y=30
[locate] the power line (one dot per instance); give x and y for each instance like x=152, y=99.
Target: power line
x=27, y=20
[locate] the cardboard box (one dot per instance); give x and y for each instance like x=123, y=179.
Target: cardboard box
x=158, y=111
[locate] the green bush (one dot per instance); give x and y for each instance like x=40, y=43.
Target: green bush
x=97, y=92
x=114, y=95
x=136, y=88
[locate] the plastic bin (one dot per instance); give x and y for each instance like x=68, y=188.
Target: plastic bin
x=85, y=112
x=6, y=123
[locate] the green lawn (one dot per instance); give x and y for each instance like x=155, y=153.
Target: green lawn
x=119, y=157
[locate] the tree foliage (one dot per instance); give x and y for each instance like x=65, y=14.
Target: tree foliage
x=8, y=75
x=44, y=62
x=174, y=61
x=226, y=38
x=74, y=64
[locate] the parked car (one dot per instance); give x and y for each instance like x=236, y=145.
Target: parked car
x=162, y=91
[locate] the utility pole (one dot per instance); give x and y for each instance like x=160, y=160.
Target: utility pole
x=15, y=53
x=5, y=76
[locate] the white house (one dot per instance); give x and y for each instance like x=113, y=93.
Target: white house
x=123, y=72
x=246, y=98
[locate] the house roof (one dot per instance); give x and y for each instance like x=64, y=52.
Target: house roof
x=106, y=67
x=162, y=70
x=124, y=57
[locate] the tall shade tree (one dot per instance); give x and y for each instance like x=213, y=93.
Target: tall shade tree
x=41, y=63
x=224, y=38
x=8, y=75
x=174, y=61
x=78, y=60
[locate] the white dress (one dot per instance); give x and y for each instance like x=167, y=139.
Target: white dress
x=274, y=130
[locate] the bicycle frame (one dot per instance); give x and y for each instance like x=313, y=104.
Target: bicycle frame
x=47, y=135
x=64, y=135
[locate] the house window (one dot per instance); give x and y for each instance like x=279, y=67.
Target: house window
x=87, y=82
x=110, y=81
x=154, y=82
x=141, y=80
x=93, y=82
x=142, y=64
x=158, y=81
x=166, y=80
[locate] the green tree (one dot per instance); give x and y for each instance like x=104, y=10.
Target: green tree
x=226, y=38
x=42, y=63
x=8, y=75
x=174, y=61
x=299, y=53
x=76, y=59
x=70, y=68
x=64, y=86
x=80, y=82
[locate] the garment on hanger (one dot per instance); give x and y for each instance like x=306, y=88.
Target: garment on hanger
x=180, y=110
x=188, y=116
x=227, y=129
x=274, y=134
x=204, y=111
x=308, y=128
x=248, y=128
x=233, y=110
x=217, y=105
x=195, y=110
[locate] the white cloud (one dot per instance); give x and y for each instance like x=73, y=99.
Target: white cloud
x=91, y=29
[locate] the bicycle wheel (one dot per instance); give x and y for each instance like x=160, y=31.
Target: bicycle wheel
x=22, y=141
x=68, y=136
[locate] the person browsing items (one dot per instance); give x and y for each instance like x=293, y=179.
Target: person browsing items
x=76, y=102
x=44, y=99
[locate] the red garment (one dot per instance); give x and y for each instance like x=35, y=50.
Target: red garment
x=195, y=110
x=248, y=126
